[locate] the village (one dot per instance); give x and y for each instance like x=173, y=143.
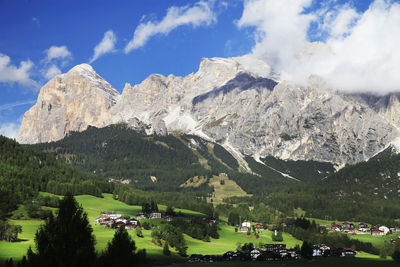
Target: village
x=272, y=252
x=362, y=229
x=265, y=252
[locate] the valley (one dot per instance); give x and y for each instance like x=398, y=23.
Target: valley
x=228, y=239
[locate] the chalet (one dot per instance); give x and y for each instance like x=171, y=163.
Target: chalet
x=377, y=232
x=336, y=227
x=274, y=247
x=258, y=227
x=348, y=253
x=255, y=253
x=244, y=229
x=120, y=224
x=114, y=216
x=394, y=229
x=348, y=225
x=121, y=220
x=317, y=251
x=384, y=229
x=155, y=215
x=132, y=221
x=246, y=224
x=140, y=216
x=169, y=218
x=130, y=226
x=363, y=227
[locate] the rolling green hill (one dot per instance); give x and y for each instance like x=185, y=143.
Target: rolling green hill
x=93, y=206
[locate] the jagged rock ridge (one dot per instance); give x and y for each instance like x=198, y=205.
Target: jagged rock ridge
x=233, y=101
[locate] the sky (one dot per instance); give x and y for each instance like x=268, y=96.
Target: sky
x=352, y=45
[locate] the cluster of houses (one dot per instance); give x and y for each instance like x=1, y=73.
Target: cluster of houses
x=112, y=219
x=246, y=226
x=363, y=228
x=271, y=252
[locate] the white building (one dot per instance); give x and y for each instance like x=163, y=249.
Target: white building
x=246, y=224
x=384, y=229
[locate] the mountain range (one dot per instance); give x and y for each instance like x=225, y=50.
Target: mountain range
x=230, y=101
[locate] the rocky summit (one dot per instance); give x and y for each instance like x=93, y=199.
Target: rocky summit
x=68, y=102
x=233, y=101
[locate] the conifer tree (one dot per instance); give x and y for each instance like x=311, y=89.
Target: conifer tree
x=65, y=240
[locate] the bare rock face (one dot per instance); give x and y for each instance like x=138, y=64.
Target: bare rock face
x=68, y=102
x=234, y=101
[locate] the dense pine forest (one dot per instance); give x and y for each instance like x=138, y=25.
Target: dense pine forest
x=25, y=171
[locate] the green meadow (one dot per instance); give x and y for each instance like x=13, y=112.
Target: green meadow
x=228, y=240
x=376, y=241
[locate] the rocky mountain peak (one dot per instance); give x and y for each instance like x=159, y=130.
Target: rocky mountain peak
x=83, y=69
x=68, y=102
x=233, y=101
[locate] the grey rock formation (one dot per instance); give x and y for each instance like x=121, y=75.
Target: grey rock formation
x=234, y=101
x=68, y=102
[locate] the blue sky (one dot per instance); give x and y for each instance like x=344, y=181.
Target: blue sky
x=48, y=37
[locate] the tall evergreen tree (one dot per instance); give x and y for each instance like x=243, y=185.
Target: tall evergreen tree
x=65, y=240
x=121, y=250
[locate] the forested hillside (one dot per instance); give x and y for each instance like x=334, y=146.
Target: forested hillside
x=367, y=191
x=153, y=162
x=25, y=171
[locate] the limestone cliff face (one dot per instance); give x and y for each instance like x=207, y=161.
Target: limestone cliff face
x=234, y=101
x=68, y=102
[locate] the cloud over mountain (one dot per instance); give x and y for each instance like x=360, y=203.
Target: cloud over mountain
x=356, y=52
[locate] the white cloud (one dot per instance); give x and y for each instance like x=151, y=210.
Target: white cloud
x=199, y=14
x=57, y=52
x=358, y=51
x=105, y=46
x=11, y=73
x=10, y=106
x=9, y=130
x=55, y=56
x=52, y=71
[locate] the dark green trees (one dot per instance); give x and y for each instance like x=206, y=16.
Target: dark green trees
x=9, y=232
x=306, y=250
x=166, y=250
x=277, y=236
x=396, y=252
x=121, y=251
x=233, y=218
x=65, y=240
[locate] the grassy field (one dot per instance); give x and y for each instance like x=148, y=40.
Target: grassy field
x=93, y=206
x=229, y=188
x=376, y=241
